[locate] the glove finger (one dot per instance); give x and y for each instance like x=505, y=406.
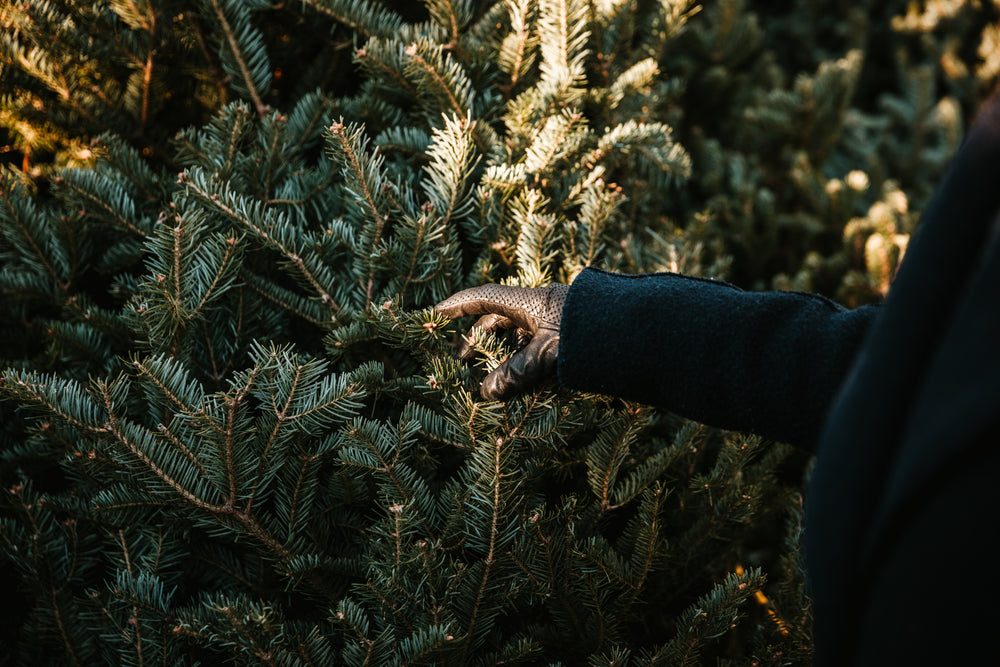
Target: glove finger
x=487, y=324
x=504, y=300
x=523, y=370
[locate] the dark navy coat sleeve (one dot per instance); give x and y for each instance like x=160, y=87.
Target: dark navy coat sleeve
x=764, y=362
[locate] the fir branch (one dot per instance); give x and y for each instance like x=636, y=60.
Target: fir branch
x=67, y=643
x=253, y=70
x=63, y=398
x=84, y=185
x=453, y=18
x=557, y=138
x=182, y=448
x=364, y=18
x=171, y=382
x=286, y=299
x=359, y=172
x=647, y=547
x=363, y=172
x=306, y=120
x=496, y=474
x=517, y=52
x=385, y=58
x=260, y=652
x=22, y=215
x=274, y=231
x=422, y=644
x=563, y=38
x=370, y=435
x=449, y=170
x=116, y=430
x=442, y=76
x=607, y=453
x=708, y=618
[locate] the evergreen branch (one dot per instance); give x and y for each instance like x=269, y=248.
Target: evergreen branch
x=274, y=151
x=409, y=279
x=137, y=643
x=62, y=628
x=260, y=652
x=182, y=448
x=360, y=431
x=598, y=607
x=152, y=466
x=144, y=20
x=232, y=244
x=446, y=15
x=234, y=48
x=354, y=163
x=231, y=404
x=354, y=617
x=429, y=71
x=612, y=571
x=360, y=179
x=384, y=57
x=390, y=604
x=231, y=205
x=256, y=530
x=364, y=18
x=262, y=463
x=558, y=32
x=516, y=53
x=497, y=475
x=562, y=29
x=297, y=492
x=283, y=298
x=553, y=563
x=710, y=617
x=36, y=65
x=86, y=195
x=449, y=170
x=613, y=458
x=28, y=223
x=650, y=530
x=150, y=371
x=307, y=124
x=419, y=646
x=296, y=202
x=558, y=137
x=62, y=398
x=127, y=162
x=226, y=509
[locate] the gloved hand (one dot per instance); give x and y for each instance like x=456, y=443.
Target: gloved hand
x=536, y=311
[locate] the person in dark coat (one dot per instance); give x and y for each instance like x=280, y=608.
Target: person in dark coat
x=900, y=403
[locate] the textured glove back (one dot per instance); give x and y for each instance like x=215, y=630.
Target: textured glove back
x=535, y=311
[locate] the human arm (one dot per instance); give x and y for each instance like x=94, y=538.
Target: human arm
x=764, y=362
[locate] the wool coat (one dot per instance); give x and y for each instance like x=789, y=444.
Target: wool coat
x=899, y=402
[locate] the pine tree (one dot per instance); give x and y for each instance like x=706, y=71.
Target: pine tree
x=234, y=427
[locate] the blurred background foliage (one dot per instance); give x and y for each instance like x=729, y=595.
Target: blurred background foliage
x=817, y=129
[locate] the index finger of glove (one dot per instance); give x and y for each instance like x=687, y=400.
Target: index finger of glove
x=502, y=300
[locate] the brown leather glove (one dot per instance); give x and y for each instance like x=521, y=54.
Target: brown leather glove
x=535, y=311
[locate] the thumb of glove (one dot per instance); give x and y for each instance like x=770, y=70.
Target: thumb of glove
x=523, y=369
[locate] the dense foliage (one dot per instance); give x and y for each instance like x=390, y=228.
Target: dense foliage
x=234, y=429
